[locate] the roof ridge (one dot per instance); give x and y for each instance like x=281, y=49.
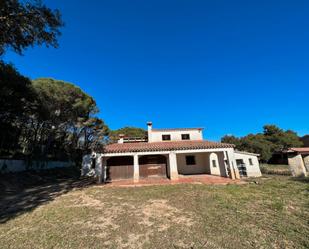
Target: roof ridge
x=165, y=146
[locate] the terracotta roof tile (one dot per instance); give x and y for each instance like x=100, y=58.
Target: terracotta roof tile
x=300, y=150
x=164, y=146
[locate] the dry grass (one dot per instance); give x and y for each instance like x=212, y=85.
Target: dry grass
x=271, y=214
x=275, y=169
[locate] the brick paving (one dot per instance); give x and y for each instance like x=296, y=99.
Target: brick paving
x=194, y=179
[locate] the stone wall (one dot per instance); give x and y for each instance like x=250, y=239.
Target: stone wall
x=296, y=164
x=8, y=165
x=306, y=162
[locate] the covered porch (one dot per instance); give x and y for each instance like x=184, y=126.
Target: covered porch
x=182, y=179
x=170, y=165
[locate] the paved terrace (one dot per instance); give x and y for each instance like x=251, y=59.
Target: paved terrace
x=194, y=179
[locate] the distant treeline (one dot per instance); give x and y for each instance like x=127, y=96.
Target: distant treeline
x=272, y=139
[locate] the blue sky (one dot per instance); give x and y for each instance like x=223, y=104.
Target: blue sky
x=228, y=66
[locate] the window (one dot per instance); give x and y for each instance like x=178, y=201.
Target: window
x=166, y=137
x=190, y=160
x=250, y=161
x=93, y=163
x=185, y=136
x=214, y=163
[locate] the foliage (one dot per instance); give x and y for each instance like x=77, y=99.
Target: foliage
x=17, y=102
x=44, y=118
x=230, y=139
x=272, y=139
x=128, y=132
x=27, y=23
x=47, y=118
x=305, y=140
x=67, y=119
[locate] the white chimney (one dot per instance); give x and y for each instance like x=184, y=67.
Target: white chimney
x=149, y=126
x=121, y=138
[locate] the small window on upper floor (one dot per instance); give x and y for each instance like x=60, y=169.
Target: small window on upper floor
x=166, y=137
x=185, y=136
x=250, y=161
x=190, y=160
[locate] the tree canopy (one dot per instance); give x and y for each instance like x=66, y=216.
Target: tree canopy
x=17, y=102
x=272, y=139
x=128, y=132
x=44, y=118
x=27, y=23
x=55, y=119
x=305, y=140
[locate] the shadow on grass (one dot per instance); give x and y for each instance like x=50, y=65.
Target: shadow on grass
x=23, y=192
x=301, y=179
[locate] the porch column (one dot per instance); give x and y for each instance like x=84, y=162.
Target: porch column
x=226, y=163
x=98, y=167
x=136, y=168
x=234, y=173
x=104, y=168
x=173, y=166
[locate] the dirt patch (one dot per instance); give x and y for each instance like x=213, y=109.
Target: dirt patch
x=158, y=212
x=154, y=216
x=80, y=199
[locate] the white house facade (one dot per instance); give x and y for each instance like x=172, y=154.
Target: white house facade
x=168, y=153
x=248, y=164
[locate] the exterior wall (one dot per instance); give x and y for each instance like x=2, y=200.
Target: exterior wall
x=252, y=170
x=7, y=165
x=297, y=165
x=201, y=166
x=214, y=170
x=306, y=162
x=156, y=136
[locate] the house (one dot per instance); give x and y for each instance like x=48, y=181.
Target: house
x=169, y=153
x=298, y=159
x=247, y=163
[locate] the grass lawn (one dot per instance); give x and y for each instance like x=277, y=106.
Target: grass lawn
x=271, y=213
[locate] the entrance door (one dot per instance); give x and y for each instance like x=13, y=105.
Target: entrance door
x=153, y=166
x=241, y=167
x=119, y=168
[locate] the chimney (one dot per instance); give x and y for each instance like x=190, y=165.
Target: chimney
x=149, y=126
x=121, y=138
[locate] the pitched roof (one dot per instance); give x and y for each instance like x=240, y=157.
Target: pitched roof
x=299, y=150
x=164, y=146
x=178, y=129
x=246, y=153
